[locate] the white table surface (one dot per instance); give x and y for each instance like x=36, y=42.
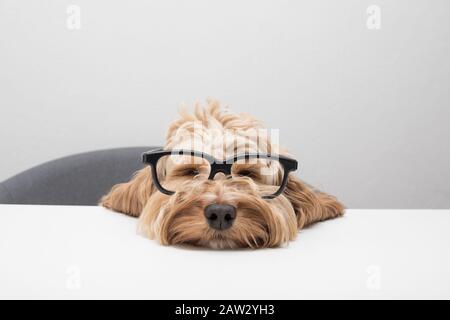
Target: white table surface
x=90, y=252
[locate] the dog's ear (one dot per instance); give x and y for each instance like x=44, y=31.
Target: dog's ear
x=130, y=197
x=311, y=205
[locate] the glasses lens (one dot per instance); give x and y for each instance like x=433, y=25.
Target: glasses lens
x=267, y=173
x=172, y=170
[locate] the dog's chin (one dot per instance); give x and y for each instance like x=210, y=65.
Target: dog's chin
x=220, y=242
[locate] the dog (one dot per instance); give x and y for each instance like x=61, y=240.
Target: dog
x=191, y=195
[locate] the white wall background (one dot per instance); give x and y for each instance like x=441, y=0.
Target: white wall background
x=365, y=111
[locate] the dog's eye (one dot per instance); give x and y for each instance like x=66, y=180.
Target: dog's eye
x=247, y=173
x=187, y=172
x=193, y=172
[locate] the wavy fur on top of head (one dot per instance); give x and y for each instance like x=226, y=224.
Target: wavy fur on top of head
x=179, y=219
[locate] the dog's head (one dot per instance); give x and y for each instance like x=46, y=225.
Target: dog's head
x=218, y=185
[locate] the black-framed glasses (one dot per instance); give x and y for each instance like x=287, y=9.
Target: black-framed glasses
x=172, y=167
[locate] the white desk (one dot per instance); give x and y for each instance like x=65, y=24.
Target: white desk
x=89, y=252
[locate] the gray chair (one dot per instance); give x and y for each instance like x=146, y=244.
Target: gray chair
x=80, y=179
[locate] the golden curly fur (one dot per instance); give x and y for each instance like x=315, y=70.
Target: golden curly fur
x=179, y=219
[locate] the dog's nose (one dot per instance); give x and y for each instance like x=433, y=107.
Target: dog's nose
x=220, y=216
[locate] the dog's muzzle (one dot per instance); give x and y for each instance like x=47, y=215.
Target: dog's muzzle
x=220, y=216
